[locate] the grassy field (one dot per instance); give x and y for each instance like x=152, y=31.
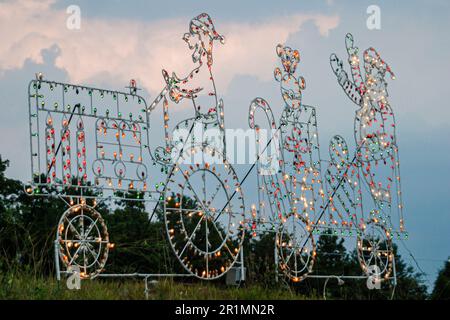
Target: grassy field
x=30, y=288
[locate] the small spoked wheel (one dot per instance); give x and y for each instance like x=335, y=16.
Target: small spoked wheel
x=375, y=251
x=83, y=240
x=296, y=248
x=204, y=212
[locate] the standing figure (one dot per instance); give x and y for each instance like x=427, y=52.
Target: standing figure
x=299, y=140
x=377, y=150
x=293, y=192
x=198, y=89
x=376, y=157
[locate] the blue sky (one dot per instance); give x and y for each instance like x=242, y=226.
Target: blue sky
x=119, y=40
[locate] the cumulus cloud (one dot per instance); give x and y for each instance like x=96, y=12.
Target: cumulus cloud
x=123, y=48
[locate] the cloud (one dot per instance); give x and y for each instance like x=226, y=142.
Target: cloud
x=250, y=48
x=123, y=48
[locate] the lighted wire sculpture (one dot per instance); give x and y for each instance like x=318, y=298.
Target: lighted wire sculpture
x=293, y=192
x=205, y=225
x=208, y=109
x=84, y=172
x=206, y=235
x=290, y=175
x=83, y=240
x=199, y=182
x=115, y=157
x=376, y=157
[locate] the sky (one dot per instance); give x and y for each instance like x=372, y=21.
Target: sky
x=119, y=40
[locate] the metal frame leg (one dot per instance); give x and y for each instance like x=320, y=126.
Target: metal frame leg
x=58, y=270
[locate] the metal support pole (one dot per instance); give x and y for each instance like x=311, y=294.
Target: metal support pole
x=242, y=277
x=394, y=277
x=58, y=271
x=340, y=283
x=276, y=257
x=395, y=271
x=146, y=288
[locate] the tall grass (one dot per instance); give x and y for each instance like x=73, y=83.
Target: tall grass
x=28, y=287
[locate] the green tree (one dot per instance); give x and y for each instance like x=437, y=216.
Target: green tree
x=28, y=226
x=331, y=259
x=441, y=290
x=140, y=245
x=259, y=258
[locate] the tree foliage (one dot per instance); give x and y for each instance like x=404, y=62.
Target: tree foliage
x=28, y=227
x=441, y=289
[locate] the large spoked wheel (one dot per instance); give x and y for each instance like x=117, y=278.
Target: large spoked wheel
x=296, y=248
x=375, y=251
x=83, y=240
x=204, y=212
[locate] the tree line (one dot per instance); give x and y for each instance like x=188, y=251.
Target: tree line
x=28, y=227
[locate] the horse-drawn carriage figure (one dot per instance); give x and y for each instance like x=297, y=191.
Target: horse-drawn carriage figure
x=90, y=145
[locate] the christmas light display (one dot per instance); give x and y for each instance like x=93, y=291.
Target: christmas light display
x=200, y=193
x=206, y=235
x=205, y=224
x=361, y=189
x=376, y=165
x=84, y=150
x=73, y=164
x=208, y=109
x=83, y=240
x=89, y=145
x=294, y=194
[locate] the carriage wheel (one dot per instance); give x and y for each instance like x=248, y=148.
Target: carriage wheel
x=83, y=240
x=375, y=251
x=204, y=212
x=296, y=247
